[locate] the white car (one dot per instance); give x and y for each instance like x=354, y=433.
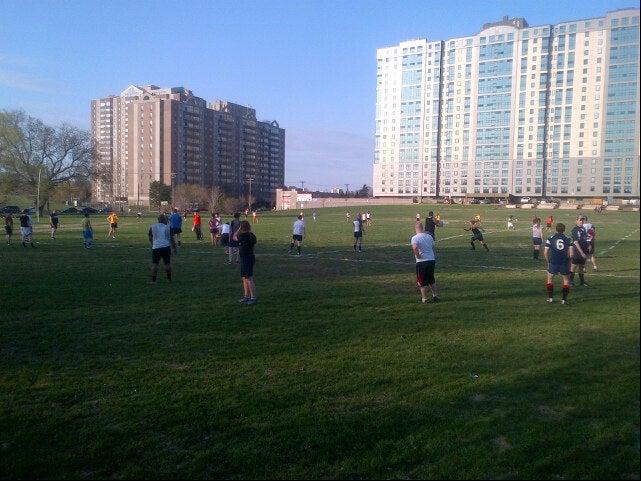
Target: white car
x=525, y=200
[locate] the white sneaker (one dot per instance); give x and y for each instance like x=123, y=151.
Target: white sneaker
x=550, y=300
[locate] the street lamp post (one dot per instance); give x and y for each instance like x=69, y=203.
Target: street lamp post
x=249, y=199
x=38, y=196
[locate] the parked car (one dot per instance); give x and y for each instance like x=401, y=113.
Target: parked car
x=10, y=209
x=69, y=211
x=525, y=200
x=31, y=211
x=484, y=201
x=89, y=210
x=475, y=201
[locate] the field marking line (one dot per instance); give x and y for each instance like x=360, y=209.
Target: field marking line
x=618, y=242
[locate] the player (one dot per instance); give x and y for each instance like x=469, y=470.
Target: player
x=358, y=233
x=590, y=229
x=418, y=217
x=224, y=237
x=347, y=216
x=8, y=227
x=431, y=223
x=314, y=216
x=297, y=234
x=162, y=243
x=26, y=228
x=197, y=227
x=254, y=216
x=580, y=252
x=233, y=240
x=213, y=229
x=53, y=223
x=477, y=218
x=87, y=231
x=368, y=218
x=477, y=233
x=246, y=242
x=548, y=222
x=537, y=237
x=112, y=220
x=425, y=255
x=557, y=253
x=176, y=225
x=510, y=223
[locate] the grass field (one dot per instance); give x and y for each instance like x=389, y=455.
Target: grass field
x=337, y=372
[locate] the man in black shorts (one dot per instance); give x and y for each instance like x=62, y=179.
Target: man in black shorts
x=580, y=251
x=53, y=223
x=162, y=243
x=477, y=233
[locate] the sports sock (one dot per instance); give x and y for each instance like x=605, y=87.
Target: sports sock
x=581, y=278
x=550, y=289
x=472, y=244
x=299, y=249
x=486, y=247
x=566, y=291
x=536, y=254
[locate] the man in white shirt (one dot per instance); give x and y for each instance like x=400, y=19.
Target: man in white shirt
x=298, y=233
x=590, y=229
x=162, y=243
x=425, y=255
x=358, y=233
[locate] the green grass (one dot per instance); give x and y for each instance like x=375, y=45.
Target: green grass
x=337, y=372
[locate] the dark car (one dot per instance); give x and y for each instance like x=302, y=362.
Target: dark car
x=475, y=201
x=89, y=210
x=10, y=209
x=69, y=211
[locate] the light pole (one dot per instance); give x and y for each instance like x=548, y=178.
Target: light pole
x=172, y=175
x=249, y=199
x=38, y=195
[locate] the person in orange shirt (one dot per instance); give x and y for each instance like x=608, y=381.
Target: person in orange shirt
x=197, y=228
x=112, y=219
x=548, y=222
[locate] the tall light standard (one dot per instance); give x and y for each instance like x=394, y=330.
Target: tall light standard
x=249, y=200
x=38, y=195
x=172, y=175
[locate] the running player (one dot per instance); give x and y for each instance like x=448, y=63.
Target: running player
x=176, y=225
x=233, y=240
x=590, y=229
x=580, y=251
x=431, y=223
x=246, y=242
x=297, y=234
x=558, y=251
x=8, y=227
x=537, y=237
x=548, y=222
x=510, y=223
x=368, y=218
x=425, y=255
x=477, y=233
x=53, y=223
x=162, y=243
x=347, y=216
x=26, y=228
x=87, y=231
x=358, y=232
x=112, y=220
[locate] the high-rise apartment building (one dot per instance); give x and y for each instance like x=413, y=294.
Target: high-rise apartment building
x=551, y=110
x=148, y=134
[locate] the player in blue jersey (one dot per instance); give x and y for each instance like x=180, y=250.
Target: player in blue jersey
x=477, y=232
x=580, y=252
x=557, y=253
x=175, y=225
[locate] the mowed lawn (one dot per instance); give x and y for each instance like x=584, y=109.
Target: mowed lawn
x=337, y=372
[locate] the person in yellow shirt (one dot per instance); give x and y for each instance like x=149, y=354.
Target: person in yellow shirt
x=112, y=219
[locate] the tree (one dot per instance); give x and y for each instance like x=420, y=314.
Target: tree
x=191, y=196
x=217, y=199
x=233, y=205
x=34, y=155
x=363, y=191
x=159, y=193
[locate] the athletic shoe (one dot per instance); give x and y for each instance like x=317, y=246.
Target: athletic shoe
x=436, y=299
x=250, y=301
x=564, y=303
x=550, y=300
x=572, y=284
x=243, y=300
x=595, y=269
x=424, y=301
x=585, y=284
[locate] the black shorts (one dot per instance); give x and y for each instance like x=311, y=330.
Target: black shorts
x=233, y=243
x=537, y=241
x=175, y=230
x=8, y=229
x=163, y=253
x=225, y=239
x=579, y=261
x=114, y=226
x=425, y=273
x=477, y=237
x=297, y=237
x=247, y=265
x=358, y=235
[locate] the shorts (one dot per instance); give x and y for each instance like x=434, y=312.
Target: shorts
x=358, y=235
x=25, y=231
x=562, y=269
x=537, y=241
x=175, y=231
x=247, y=265
x=225, y=240
x=297, y=237
x=425, y=273
x=163, y=253
x=8, y=229
x=213, y=231
x=579, y=261
x=234, y=243
x=591, y=247
x=87, y=234
x=477, y=237
x=114, y=225
x=548, y=224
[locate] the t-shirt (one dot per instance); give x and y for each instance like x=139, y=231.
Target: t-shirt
x=424, y=242
x=589, y=229
x=549, y=220
x=160, y=236
x=246, y=243
x=430, y=226
x=558, y=246
x=175, y=221
x=213, y=223
x=234, y=226
x=112, y=219
x=358, y=225
x=8, y=221
x=299, y=227
x=197, y=220
x=86, y=224
x=581, y=235
x=537, y=232
x=25, y=220
x=226, y=229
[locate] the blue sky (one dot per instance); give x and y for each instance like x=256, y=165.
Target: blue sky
x=308, y=64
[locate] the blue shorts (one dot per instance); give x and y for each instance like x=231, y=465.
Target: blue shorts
x=562, y=269
x=87, y=234
x=537, y=241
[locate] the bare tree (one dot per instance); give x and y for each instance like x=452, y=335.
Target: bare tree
x=34, y=155
x=190, y=196
x=233, y=205
x=217, y=199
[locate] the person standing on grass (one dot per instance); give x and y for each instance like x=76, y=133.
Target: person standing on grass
x=176, y=225
x=197, y=227
x=580, y=252
x=53, y=223
x=510, y=223
x=591, y=231
x=213, y=229
x=347, y=216
x=162, y=244
x=548, y=222
x=87, y=232
x=537, y=237
x=477, y=234
x=224, y=238
x=112, y=220
x=557, y=253
x=424, y=250
x=234, y=226
x=297, y=234
x=254, y=217
x=26, y=228
x=358, y=232
x=431, y=223
x=8, y=227
x=246, y=242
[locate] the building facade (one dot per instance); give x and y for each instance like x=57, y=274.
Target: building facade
x=149, y=134
x=551, y=110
